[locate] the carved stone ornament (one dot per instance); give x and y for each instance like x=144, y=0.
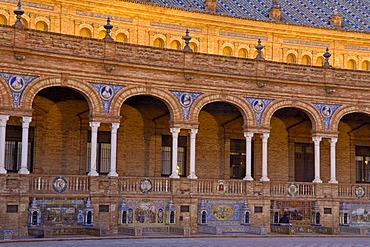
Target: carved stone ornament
x=261, y=84
x=188, y=77
x=330, y=90
x=19, y=56
x=109, y=68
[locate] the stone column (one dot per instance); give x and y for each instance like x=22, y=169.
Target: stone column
x=3, y=120
x=113, y=150
x=193, y=133
x=333, y=142
x=175, y=142
x=248, y=156
x=94, y=140
x=25, y=128
x=264, y=177
x=317, y=141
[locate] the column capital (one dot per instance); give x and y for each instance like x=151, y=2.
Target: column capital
x=26, y=121
x=333, y=140
x=265, y=135
x=3, y=120
x=175, y=130
x=316, y=139
x=193, y=131
x=114, y=127
x=94, y=124
x=248, y=134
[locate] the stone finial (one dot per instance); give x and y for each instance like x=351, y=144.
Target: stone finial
x=108, y=27
x=259, y=48
x=210, y=5
x=336, y=19
x=18, y=12
x=275, y=11
x=326, y=55
x=187, y=39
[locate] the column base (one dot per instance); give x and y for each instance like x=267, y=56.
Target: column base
x=24, y=171
x=93, y=174
x=317, y=180
x=112, y=174
x=333, y=181
x=248, y=178
x=192, y=176
x=174, y=176
x=3, y=171
x=264, y=179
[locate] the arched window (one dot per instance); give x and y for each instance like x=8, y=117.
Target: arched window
x=247, y=218
x=24, y=22
x=175, y=45
x=345, y=220
x=158, y=42
x=319, y=61
x=243, y=53
x=276, y=217
x=124, y=217
x=41, y=25
x=204, y=217
x=121, y=37
x=3, y=20
x=291, y=58
x=351, y=64
x=317, y=220
x=227, y=51
x=85, y=32
x=365, y=65
x=89, y=218
x=193, y=46
x=172, y=217
x=34, y=218
x=101, y=34
x=306, y=60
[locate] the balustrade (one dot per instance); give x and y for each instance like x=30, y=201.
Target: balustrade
x=73, y=184
x=139, y=185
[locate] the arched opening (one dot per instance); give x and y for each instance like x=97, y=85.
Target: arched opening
x=204, y=217
x=34, y=218
x=176, y=45
x=365, y=65
x=291, y=58
x=121, y=37
x=221, y=130
x=306, y=60
x=158, y=42
x=3, y=20
x=243, y=53
x=247, y=218
x=291, y=135
x=146, y=128
x=172, y=217
x=227, y=51
x=85, y=32
x=353, y=141
x=124, y=217
x=319, y=61
x=61, y=123
x=24, y=22
x=102, y=34
x=351, y=64
x=89, y=218
x=41, y=25
x=193, y=46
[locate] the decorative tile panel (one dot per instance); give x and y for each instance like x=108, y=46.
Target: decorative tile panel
x=106, y=93
x=326, y=111
x=186, y=100
x=17, y=83
x=258, y=106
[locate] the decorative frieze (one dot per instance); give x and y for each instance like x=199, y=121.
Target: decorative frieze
x=241, y=35
x=177, y=27
x=96, y=15
x=302, y=42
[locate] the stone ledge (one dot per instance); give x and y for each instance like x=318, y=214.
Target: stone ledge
x=49, y=232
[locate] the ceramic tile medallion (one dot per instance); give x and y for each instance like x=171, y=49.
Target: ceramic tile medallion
x=186, y=100
x=258, y=106
x=106, y=93
x=59, y=184
x=360, y=191
x=326, y=111
x=17, y=83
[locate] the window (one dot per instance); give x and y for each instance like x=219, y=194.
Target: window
x=193, y=46
x=3, y=20
x=121, y=37
x=306, y=60
x=365, y=65
x=303, y=162
x=102, y=152
x=41, y=25
x=243, y=53
x=13, y=148
x=227, y=51
x=167, y=155
x=291, y=58
x=351, y=64
x=175, y=45
x=238, y=158
x=85, y=32
x=362, y=164
x=319, y=61
x=158, y=43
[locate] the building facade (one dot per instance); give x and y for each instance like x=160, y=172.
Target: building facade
x=126, y=135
